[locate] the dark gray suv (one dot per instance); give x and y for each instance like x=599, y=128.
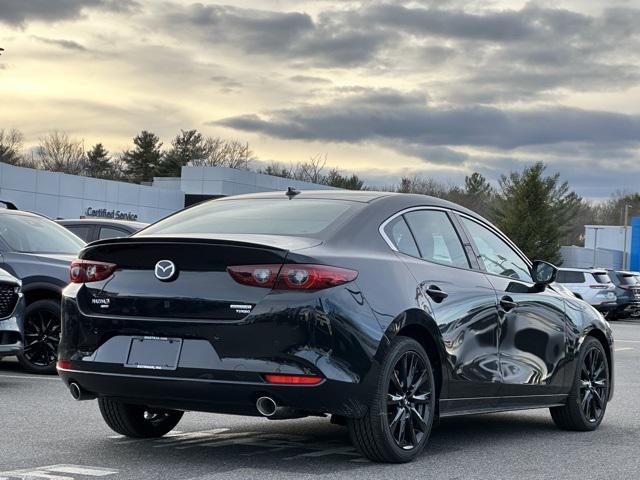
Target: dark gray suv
x=38, y=251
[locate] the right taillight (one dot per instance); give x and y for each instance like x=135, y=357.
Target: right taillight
x=292, y=276
x=83, y=271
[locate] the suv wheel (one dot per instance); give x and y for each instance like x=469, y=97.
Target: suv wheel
x=137, y=421
x=41, y=337
x=398, y=424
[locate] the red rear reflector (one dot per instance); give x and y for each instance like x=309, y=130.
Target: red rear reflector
x=292, y=276
x=64, y=364
x=83, y=271
x=292, y=379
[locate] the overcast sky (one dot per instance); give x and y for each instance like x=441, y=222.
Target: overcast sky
x=384, y=88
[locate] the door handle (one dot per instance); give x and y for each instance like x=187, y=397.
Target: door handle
x=507, y=304
x=437, y=294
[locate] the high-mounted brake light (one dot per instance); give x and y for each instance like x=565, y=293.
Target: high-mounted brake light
x=293, y=379
x=292, y=276
x=83, y=271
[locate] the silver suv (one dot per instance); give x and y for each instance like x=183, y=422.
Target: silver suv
x=593, y=285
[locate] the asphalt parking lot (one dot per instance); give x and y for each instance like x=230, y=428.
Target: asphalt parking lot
x=46, y=434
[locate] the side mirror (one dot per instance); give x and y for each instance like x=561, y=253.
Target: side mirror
x=543, y=273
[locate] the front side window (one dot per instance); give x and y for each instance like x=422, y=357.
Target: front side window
x=80, y=230
x=496, y=255
x=32, y=234
x=436, y=237
x=254, y=216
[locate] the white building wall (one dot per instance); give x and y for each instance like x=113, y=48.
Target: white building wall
x=58, y=195
x=609, y=237
x=230, y=181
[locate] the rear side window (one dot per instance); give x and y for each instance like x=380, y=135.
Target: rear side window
x=108, y=232
x=601, y=277
x=80, y=230
x=627, y=279
x=565, y=276
x=254, y=216
x=436, y=237
x=398, y=233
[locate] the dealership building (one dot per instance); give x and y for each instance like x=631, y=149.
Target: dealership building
x=59, y=195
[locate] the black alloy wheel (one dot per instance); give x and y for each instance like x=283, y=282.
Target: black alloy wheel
x=587, y=401
x=593, y=385
x=408, y=397
x=41, y=337
x=397, y=425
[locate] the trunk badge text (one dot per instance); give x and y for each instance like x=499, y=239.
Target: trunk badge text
x=166, y=270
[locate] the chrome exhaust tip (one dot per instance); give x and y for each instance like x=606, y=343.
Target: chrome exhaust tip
x=267, y=406
x=78, y=393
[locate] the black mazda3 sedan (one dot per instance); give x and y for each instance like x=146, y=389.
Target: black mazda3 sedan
x=385, y=311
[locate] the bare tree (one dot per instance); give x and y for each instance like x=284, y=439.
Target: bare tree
x=313, y=170
x=218, y=152
x=58, y=153
x=11, y=146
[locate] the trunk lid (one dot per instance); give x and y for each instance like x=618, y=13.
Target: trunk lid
x=201, y=288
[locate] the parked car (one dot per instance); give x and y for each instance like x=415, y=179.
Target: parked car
x=383, y=310
x=592, y=285
x=11, y=315
x=92, y=229
x=627, y=293
x=38, y=251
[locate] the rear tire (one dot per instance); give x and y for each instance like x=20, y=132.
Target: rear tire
x=587, y=401
x=400, y=416
x=137, y=421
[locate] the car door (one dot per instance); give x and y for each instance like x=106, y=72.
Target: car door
x=461, y=299
x=532, y=327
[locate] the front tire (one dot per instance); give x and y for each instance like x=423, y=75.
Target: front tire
x=137, y=421
x=41, y=337
x=588, y=398
x=398, y=423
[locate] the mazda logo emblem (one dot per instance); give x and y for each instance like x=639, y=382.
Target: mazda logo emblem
x=166, y=270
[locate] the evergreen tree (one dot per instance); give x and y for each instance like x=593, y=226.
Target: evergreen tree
x=478, y=195
x=336, y=179
x=98, y=164
x=535, y=210
x=189, y=145
x=10, y=146
x=141, y=163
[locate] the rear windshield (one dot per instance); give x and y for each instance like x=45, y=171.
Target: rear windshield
x=628, y=279
x=27, y=234
x=255, y=216
x=601, y=277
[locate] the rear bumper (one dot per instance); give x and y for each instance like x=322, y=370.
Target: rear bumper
x=11, y=331
x=221, y=365
x=199, y=394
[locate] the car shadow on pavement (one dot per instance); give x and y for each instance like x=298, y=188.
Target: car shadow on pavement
x=301, y=445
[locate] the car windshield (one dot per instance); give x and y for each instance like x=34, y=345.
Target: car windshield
x=254, y=216
x=32, y=234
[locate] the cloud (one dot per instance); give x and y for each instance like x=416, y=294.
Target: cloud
x=310, y=79
x=66, y=44
x=19, y=12
x=391, y=115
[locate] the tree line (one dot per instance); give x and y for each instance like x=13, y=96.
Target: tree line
x=539, y=211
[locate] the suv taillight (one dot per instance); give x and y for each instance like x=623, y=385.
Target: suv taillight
x=292, y=276
x=83, y=271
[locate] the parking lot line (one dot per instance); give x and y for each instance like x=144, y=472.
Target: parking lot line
x=626, y=341
x=30, y=377
x=623, y=349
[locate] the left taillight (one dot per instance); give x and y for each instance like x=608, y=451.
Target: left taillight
x=83, y=271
